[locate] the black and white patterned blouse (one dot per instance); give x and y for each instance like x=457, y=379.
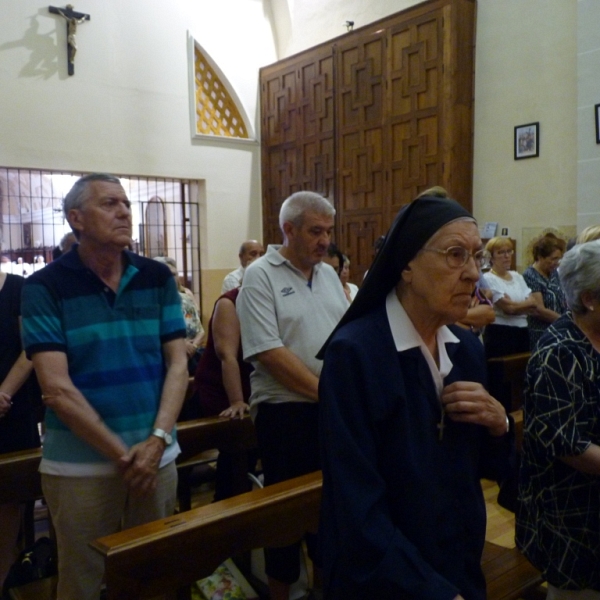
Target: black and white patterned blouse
x=558, y=519
x=552, y=295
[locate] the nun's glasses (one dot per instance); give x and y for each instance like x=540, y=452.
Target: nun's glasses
x=457, y=256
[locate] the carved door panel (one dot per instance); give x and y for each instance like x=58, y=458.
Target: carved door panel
x=371, y=119
x=360, y=230
x=298, y=116
x=414, y=108
x=361, y=66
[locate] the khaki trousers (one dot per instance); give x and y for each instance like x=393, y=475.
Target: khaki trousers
x=86, y=508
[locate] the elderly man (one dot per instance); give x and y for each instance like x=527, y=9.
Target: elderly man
x=288, y=305
x=105, y=331
x=249, y=252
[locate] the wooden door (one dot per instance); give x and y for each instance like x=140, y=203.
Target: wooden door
x=371, y=119
x=298, y=119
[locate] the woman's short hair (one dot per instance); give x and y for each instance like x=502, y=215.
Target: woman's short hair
x=546, y=244
x=166, y=260
x=498, y=243
x=579, y=272
x=294, y=207
x=589, y=234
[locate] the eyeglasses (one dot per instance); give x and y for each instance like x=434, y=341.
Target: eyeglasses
x=506, y=252
x=457, y=256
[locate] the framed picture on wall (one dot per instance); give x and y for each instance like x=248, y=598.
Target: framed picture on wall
x=527, y=140
x=597, y=113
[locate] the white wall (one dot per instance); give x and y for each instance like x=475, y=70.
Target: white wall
x=588, y=94
x=126, y=109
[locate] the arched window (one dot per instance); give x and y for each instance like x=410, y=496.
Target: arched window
x=218, y=110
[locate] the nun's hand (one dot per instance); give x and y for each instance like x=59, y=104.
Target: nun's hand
x=469, y=402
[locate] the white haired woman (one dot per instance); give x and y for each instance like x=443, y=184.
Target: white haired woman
x=407, y=427
x=558, y=519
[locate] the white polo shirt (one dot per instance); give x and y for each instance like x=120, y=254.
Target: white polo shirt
x=278, y=307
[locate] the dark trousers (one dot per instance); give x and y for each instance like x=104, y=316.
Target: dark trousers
x=288, y=441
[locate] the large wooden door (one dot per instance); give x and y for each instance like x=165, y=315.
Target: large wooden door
x=298, y=119
x=381, y=114
x=361, y=108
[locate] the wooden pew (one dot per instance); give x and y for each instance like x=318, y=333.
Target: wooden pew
x=173, y=553
x=21, y=481
x=200, y=435
x=199, y=441
x=19, y=476
x=506, y=379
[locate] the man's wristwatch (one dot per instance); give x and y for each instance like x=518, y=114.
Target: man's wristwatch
x=163, y=435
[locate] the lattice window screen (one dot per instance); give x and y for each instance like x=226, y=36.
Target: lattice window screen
x=216, y=111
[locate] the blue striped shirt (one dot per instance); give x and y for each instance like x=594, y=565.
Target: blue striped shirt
x=113, y=343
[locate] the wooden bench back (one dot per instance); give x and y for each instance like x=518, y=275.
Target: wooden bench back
x=171, y=553
x=508, y=373
x=212, y=433
x=21, y=480
x=20, y=477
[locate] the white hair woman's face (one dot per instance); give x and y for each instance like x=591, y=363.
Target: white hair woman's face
x=438, y=291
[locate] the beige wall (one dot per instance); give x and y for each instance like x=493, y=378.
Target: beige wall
x=588, y=94
x=526, y=71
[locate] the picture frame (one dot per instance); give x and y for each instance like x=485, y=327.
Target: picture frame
x=527, y=140
x=597, y=113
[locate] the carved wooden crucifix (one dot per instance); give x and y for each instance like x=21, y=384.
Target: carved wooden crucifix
x=73, y=19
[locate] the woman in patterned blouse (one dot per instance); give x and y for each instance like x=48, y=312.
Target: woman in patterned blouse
x=542, y=279
x=558, y=518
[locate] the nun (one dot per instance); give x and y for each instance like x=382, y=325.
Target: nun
x=407, y=426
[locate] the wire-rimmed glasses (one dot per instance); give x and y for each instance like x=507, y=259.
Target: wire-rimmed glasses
x=457, y=256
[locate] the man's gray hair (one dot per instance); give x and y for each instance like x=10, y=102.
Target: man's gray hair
x=78, y=194
x=294, y=207
x=579, y=272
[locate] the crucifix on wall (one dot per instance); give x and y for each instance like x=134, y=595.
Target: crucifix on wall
x=73, y=19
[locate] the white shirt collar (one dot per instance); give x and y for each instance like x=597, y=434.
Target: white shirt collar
x=406, y=336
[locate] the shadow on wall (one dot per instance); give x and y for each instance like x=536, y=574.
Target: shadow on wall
x=43, y=61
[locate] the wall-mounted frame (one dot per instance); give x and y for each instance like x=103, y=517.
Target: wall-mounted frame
x=597, y=113
x=527, y=140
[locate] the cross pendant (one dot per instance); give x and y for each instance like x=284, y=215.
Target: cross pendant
x=441, y=425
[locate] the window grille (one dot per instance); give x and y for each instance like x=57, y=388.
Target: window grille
x=165, y=214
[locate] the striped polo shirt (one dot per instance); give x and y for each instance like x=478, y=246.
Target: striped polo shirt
x=113, y=342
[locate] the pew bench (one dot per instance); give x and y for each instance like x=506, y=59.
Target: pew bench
x=21, y=481
x=506, y=379
x=171, y=554
x=201, y=440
